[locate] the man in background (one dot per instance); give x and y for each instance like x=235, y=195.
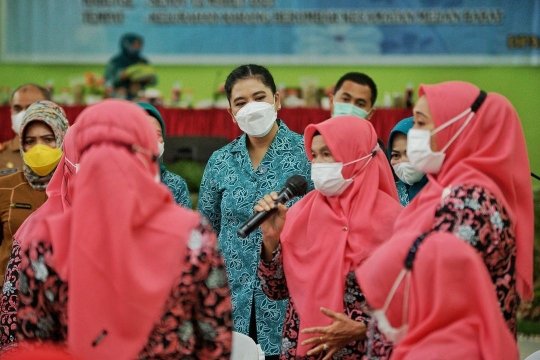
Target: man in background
x=24, y=96
x=354, y=94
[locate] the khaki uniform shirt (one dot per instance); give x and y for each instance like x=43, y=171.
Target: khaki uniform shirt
x=10, y=157
x=17, y=201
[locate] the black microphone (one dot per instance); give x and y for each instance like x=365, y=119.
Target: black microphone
x=296, y=185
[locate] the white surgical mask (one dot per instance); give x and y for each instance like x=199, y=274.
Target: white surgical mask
x=76, y=166
x=16, y=121
x=391, y=333
x=328, y=179
x=419, y=141
x=256, y=118
x=407, y=173
x=161, y=148
x=341, y=108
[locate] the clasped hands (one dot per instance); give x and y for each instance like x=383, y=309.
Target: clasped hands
x=334, y=337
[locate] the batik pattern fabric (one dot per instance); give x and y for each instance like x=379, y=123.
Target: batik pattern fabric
x=475, y=215
x=196, y=320
x=229, y=189
x=9, y=301
x=403, y=193
x=274, y=284
x=178, y=187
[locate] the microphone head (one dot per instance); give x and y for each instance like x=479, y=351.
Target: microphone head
x=297, y=185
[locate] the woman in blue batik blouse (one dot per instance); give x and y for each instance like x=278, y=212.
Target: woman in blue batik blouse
x=235, y=178
x=174, y=182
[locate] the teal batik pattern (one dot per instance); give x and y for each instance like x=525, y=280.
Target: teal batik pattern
x=178, y=187
x=403, y=193
x=230, y=188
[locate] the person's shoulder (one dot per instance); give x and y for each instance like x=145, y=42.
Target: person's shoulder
x=471, y=196
x=10, y=145
x=466, y=191
x=116, y=59
x=289, y=137
x=202, y=238
x=172, y=178
x=306, y=200
x=224, y=152
x=12, y=180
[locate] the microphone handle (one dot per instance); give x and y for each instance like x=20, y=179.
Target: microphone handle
x=254, y=222
x=257, y=219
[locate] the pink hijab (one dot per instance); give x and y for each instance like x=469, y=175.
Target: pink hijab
x=58, y=198
x=117, y=247
x=325, y=238
x=491, y=153
x=453, y=312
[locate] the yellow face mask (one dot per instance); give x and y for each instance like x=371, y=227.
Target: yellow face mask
x=42, y=159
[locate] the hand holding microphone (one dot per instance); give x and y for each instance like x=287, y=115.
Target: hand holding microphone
x=271, y=227
x=296, y=185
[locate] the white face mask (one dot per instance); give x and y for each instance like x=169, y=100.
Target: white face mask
x=419, y=141
x=161, y=148
x=407, y=173
x=341, y=108
x=16, y=121
x=391, y=333
x=256, y=118
x=76, y=166
x=328, y=179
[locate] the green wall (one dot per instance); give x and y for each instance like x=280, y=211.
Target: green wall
x=521, y=85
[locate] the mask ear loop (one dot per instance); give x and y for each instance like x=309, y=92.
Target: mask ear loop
x=394, y=289
x=137, y=148
x=406, y=300
x=65, y=179
x=371, y=155
x=460, y=130
x=471, y=111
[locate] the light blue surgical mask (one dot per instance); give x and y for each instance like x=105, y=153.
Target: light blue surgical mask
x=341, y=108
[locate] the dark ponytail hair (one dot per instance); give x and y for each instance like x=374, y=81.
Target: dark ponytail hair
x=249, y=71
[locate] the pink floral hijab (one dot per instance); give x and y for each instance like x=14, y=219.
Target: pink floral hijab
x=115, y=246
x=324, y=238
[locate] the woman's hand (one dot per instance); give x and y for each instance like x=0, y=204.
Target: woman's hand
x=335, y=337
x=271, y=228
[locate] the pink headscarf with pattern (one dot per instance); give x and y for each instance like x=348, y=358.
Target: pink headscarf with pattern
x=121, y=245
x=324, y=238
x=452, y=310
x=491, y=153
